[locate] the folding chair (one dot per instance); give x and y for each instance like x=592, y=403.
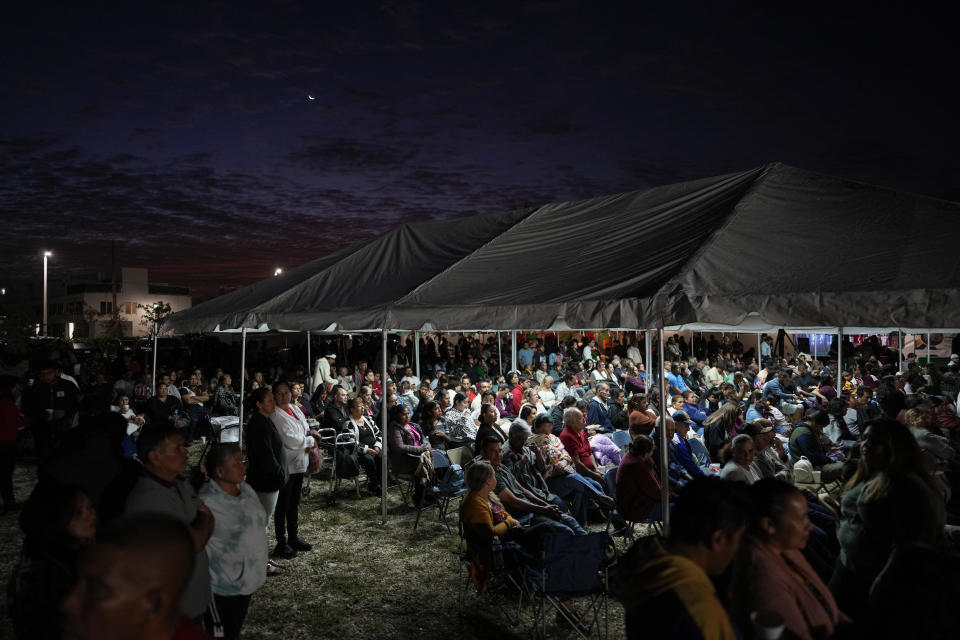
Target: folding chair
x=573, y=567
x=507, y=588
x=441, y=466
x=460, y=455
x=621, y=438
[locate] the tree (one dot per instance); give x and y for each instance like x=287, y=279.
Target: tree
x=153, y=314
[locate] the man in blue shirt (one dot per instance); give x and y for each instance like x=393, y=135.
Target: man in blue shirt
x=525, y=356
x=776, y=391
x=675, y=381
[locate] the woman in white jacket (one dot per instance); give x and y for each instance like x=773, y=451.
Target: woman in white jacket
x=297, y=438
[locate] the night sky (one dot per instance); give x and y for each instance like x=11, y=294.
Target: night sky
x=216, y=141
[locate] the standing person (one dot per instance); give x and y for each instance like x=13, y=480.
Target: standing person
x=890, y=502
x=51, y=406
x=266, y=461
x=57, y=521
x=322, y=372
x=237, y=549
x=297, y=438
x=130, y=583
x=10, y=424
x=163, y=489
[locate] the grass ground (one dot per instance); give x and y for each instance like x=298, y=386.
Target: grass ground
x=363, y=580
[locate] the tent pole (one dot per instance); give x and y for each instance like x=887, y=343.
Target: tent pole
x=499, y=353
x=759, y=351
x=899, y=350
x=928, y=349
x=814, y=337
x=416, y=354
x=384, y=438
x=664, y=466
x=513, y=351
x=839, y=356
x=156, y=330
x=243, y=371
x=309, y=364
x=648, y=349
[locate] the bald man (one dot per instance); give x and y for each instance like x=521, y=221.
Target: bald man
x=130, y=582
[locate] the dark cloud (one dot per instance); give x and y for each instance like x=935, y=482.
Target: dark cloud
x=185, y=130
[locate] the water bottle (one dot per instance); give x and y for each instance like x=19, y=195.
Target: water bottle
x=496, y=553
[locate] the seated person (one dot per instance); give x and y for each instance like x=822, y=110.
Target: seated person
x=807, y=440
x=560, y=471
x=488, y=425
x=598, y=412
x=527, y=464
x=640, y=417
x=163, y=409
x=574, y=439
x=638, y=485
x=665, y=585
x=772, y=574
x=458, y=423
x=688, y=444
x=740, y=454
x=528, y=507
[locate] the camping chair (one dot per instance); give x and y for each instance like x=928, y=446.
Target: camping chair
x=573, y=567
x=507, y=589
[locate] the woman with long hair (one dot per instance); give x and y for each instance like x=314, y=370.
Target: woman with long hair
x=771, y=571
x=719, y=428
x=891, y=501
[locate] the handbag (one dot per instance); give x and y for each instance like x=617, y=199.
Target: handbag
x=314, y=460
x=803, y=470
x=347, y=464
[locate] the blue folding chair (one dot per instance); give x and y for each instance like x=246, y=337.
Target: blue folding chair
x=621, y=438
x=573, y=567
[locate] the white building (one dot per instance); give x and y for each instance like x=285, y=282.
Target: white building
x=85, y=309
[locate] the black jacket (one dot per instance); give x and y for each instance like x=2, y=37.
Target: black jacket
x=266, y=461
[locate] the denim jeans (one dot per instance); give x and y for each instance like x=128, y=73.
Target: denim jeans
x=576, y=490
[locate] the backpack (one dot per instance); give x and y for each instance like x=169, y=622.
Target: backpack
x=451, y=479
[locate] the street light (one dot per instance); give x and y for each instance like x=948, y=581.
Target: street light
x=46, y=254
x=277, y=271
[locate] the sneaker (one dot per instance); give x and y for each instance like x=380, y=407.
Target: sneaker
x=300, y=545
x=284, y=550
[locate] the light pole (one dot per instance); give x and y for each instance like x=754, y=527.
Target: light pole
x=46, y=254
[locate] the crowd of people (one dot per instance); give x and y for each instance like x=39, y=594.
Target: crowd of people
x=796, y=486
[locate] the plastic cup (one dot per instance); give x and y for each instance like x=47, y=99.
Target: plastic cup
x=767, y=624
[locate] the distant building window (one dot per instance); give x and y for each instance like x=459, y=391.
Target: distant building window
x=106, y=307
x=130, y=308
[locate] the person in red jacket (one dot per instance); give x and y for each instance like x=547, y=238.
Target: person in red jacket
x=638, y=487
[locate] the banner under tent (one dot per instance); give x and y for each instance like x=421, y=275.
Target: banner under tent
x=756, y=251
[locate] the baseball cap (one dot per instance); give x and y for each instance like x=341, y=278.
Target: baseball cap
x=681, y=416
